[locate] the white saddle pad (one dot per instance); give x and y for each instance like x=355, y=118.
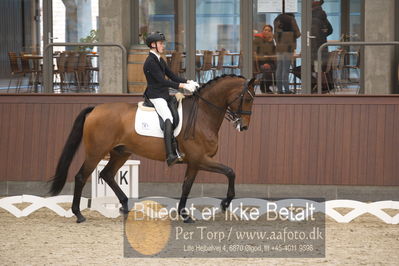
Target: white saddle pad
x=147, y=121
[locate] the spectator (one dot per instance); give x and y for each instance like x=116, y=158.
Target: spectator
x=286, y=33
x=263, y=45
x=321, y=28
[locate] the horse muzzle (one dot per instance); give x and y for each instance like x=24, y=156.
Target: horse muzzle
x=239, y=125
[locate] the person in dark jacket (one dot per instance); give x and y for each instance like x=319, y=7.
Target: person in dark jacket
x=157, y=91
x=286, y=32
x=265, y=50
x=321, y=29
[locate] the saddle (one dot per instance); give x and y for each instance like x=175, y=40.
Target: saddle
x=148, y=122
x=172, y=104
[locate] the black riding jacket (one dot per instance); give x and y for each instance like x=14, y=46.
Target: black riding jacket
x=155, y=71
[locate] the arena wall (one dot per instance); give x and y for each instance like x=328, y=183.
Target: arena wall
x=296, y=140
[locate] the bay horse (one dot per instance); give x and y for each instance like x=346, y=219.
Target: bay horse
x=109, y=128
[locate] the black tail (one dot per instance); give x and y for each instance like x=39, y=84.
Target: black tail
x=71, y=145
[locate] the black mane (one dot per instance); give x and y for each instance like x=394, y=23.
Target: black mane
x=217, y=78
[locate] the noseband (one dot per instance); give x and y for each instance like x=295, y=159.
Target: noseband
x=230, y=114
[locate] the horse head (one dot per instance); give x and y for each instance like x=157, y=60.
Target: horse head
x=231, y=96
x=239, y=104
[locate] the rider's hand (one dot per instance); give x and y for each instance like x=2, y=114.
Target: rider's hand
x=190, y=87
x=193, y=82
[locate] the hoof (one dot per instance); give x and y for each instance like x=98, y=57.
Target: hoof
x=124, y=210
x=188, y=220
x=225, y=204
x=80, y=219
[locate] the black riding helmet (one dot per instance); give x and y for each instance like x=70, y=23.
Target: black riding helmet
x=154, y=37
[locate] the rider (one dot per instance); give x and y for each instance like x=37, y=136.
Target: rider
x=155, y=69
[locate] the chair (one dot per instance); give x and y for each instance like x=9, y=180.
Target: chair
x=340, y=80
x=238, y=66
x=356, y=68
x=219, y=66
x=255, y=69
x=71, y=65
x=15, y=70
x=33, y=70
x=61, y=71
x=176, y=63
x=206, y=65
x=81, y=73
x=331, y=68
x=91, y=70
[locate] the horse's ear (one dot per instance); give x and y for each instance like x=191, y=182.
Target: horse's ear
x=251, y=82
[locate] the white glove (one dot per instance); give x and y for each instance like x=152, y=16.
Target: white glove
x=190, y=87
x=193, y=82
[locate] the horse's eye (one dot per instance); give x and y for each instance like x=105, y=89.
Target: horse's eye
x=248, y=100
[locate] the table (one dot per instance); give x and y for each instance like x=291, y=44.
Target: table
x=274, y=57
x=35, y=70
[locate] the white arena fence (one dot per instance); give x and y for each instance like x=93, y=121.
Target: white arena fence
x=105, y=202
x=109, y=206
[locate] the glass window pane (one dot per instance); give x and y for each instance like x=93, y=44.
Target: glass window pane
x=159, y=15
x=337, y=76
x=217, y=38
x=276, y=48
x=74, y=21
x=166, y=16
x=355, y=20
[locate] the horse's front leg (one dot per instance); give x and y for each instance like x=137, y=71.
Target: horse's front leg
x=191, y=173
x=208, y=164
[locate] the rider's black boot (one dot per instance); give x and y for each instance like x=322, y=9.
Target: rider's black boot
x=171, y=157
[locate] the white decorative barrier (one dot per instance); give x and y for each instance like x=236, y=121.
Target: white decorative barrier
x=359, y=208
x=107, y=206
x=39, y=202
x=104, y=199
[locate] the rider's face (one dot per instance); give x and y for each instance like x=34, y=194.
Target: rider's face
x=160, y=45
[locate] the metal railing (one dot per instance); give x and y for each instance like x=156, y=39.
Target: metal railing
x=319, y=63
x=48, y=62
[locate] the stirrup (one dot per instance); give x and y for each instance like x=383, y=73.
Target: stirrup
x=171, y=160
x=180, y=155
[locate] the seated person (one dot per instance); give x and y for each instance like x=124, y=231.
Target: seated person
x=263, y=45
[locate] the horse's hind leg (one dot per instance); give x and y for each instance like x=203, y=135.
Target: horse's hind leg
x=80, y=180
x=116, y=161
x=189, y=178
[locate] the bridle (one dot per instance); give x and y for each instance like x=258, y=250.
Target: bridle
x=232, y=116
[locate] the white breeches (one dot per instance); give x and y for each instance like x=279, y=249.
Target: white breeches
x=162, y=109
